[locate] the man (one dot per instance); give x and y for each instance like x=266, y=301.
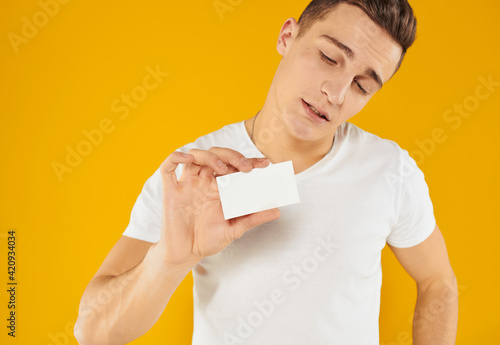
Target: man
x=309, y=273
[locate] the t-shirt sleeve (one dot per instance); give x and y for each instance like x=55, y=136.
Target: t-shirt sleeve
x=146, y=216
x=415, y=215
x=145, y=219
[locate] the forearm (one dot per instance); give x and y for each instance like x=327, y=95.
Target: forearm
x=436, y=314
x=119, y=309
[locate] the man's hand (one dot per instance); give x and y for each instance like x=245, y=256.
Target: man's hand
x=193, y=225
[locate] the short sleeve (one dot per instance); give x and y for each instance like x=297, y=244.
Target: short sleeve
x=415, y=215
x=145, y=219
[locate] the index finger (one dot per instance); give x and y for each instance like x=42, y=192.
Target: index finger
x=237, y=159
x=168, y=166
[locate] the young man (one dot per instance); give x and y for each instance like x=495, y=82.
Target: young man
x=309, y=273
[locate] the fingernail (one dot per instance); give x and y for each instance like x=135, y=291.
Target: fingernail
x=263, y=159
x=245, y=161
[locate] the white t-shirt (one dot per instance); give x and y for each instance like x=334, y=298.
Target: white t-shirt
x=314, y=275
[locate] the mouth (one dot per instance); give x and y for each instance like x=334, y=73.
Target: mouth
x=316, y=111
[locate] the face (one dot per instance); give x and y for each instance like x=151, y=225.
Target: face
x=336, y=66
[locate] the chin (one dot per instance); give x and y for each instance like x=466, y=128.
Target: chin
x=301, y=127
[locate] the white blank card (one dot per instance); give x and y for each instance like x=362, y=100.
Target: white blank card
x=260, y=189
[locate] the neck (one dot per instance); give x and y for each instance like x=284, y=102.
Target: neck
x=273, y=139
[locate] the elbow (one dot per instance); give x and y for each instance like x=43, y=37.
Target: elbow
x=81, y=334
x=450, y=284
x=444, y=286
x=85, y=334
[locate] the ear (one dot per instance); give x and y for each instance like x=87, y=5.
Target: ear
x=287, y=34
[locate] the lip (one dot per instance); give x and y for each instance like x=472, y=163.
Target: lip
x=313, y=115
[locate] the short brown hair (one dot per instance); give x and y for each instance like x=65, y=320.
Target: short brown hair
x=394, y=16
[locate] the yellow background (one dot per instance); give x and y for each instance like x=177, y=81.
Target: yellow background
x=64, y=79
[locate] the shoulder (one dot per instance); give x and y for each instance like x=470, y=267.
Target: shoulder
x=372, y=148
x=383, y=156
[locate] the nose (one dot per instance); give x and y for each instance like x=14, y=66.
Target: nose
x=336, y=89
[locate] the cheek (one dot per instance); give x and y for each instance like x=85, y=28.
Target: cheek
x=305, y=72
x=354, y=106
x=311, y=63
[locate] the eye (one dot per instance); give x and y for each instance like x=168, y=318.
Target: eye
x=363, y=91
x=327, y=59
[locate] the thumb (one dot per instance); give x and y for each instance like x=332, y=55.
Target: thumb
x=244, y=223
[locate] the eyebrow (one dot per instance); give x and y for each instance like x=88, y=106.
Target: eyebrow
x=350, y=54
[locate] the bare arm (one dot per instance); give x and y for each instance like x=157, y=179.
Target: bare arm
x=436, y=311
x=116, y=309
x=133, y=286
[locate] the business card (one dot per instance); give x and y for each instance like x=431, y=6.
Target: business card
x=260, y=189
